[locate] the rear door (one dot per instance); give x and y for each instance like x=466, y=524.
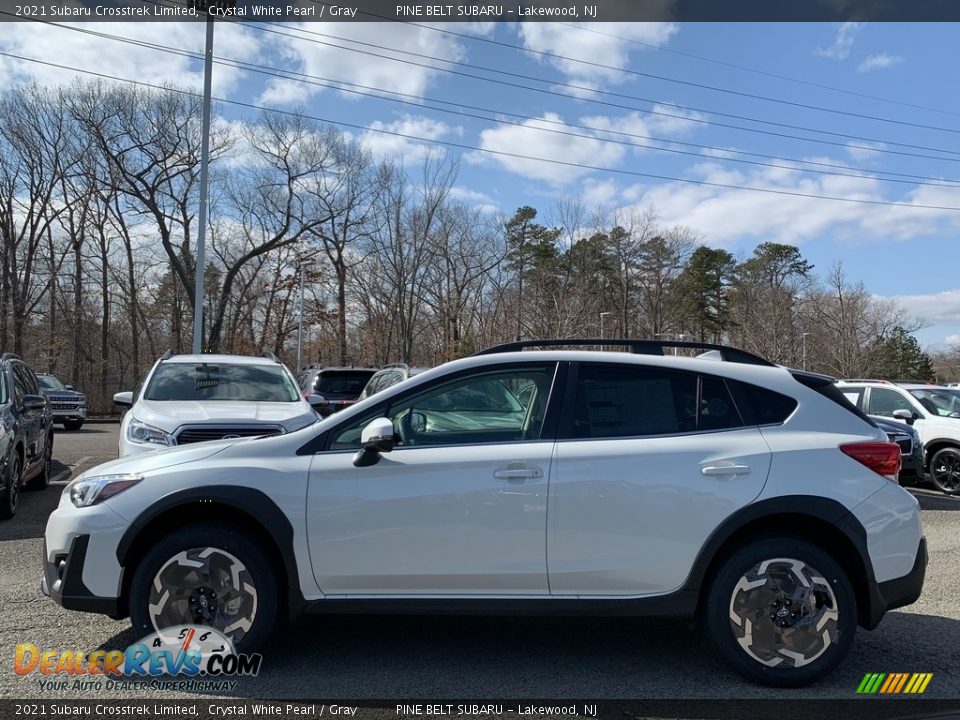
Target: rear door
x=649, y=462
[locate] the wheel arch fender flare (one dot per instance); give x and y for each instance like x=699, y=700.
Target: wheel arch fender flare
x=214, y=501
x=787, y=515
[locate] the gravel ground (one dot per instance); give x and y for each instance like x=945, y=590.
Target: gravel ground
x=476, y=657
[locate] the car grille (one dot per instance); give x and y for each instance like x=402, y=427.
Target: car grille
x=202, y=433
x=904, y=441
x=64, y=406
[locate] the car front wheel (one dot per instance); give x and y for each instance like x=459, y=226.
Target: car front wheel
x=781, y=612
x=206, y=575
x=945, y=470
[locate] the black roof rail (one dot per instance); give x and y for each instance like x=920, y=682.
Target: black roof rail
x=639, y=347
x=9, y=356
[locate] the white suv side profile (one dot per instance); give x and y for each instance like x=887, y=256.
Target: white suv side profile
x=559, y=481
x=934, y=412
x=187, y=399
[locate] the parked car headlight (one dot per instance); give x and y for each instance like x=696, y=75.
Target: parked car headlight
x=87, y=491
x=144, y=434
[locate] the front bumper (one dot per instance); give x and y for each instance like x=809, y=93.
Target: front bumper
x=62, y=581
x=79, y=413
x=911, y=466
x=80, y=566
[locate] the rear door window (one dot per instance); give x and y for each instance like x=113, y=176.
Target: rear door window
x=624, y=401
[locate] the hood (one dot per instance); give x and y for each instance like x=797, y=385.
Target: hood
x=169, y=415
x=160, y=459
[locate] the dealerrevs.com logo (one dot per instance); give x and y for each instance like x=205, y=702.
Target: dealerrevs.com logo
x=187, y=651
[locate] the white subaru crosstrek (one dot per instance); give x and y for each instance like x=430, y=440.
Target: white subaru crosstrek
x=752, y=496
x=197, y=398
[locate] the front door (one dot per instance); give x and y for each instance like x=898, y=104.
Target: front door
x=458, y=508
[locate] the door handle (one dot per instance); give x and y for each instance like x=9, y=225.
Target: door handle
x=721, y=470
x=518, y=475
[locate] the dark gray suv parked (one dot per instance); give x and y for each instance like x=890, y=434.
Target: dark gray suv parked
x=69, y=407
x=26, y=440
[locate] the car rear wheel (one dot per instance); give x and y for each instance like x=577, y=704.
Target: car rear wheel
x=781, y=612
x=72, y=424
x=210, y=576
x=11, y=492
x=945, y=470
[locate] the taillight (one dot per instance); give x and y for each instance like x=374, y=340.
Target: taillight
x=881, y=457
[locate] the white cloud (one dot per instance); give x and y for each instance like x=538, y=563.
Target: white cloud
x=527, y=139
x=580, y=43
x=952, y=340
x=840, y=50
x=481, y=201
x=599, y=193
x=934, y=308
x=111, y=57
x=604, y=144
x=864, y=150
x=384, y=144
x=878, y=62
x=309, y=57
x=729, y=215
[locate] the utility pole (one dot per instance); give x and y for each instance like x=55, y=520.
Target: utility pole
x=204, y=6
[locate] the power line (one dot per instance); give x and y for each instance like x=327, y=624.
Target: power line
x=686, y=118
x=377, y=93
x=653, y=76
x=501, y=153
x=766, y=73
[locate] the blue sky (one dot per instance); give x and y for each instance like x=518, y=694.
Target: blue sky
x=906, y=253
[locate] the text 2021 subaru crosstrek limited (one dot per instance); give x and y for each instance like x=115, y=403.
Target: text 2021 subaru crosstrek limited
x=557, y=481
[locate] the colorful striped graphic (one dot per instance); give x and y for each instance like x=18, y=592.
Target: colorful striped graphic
x=894, y=683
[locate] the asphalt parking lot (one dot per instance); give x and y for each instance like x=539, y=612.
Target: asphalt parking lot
x=477, y=657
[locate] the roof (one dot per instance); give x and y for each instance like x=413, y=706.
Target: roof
x=211, y=359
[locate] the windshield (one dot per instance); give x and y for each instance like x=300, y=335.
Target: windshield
x=49, y=382
x=221, y=381
x=945, y=403
x=341, y=384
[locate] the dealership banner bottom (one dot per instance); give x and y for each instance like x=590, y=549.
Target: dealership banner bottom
x=784, y=708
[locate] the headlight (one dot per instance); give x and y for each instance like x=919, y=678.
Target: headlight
x=87, y=491
x=144, y=434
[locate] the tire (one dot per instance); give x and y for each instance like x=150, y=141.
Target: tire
x=11, y=491
x=945, y=470
x=226, y=553
x=755, y=607
x=42, y=479
x=72, y=424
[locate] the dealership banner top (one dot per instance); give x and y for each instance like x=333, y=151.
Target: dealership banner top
x=529, y=11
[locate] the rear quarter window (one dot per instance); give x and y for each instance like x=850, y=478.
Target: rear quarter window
x=768, y=407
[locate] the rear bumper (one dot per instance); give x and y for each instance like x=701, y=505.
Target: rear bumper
x=905, y=590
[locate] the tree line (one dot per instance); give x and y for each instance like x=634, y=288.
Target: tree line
x=98, y=227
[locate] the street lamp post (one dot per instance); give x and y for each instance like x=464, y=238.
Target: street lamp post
x=304, y=264
x=803, y=342
x=198, y=288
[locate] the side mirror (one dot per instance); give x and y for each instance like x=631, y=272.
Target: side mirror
x=123, y=399
x=906, y=415
x=376, y=438
x=34, y=402
x=68, y=387
x=317, y=401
